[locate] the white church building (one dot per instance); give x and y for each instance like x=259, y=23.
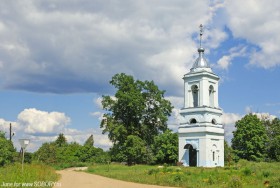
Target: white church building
x=201, y=133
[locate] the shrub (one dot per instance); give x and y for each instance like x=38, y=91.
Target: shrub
x=177, y=178
x=153, y=171
x=166, y=169
x=235, y=182
x=211, y=180
x=178, y=169
x=188, y=173
x=265, y=174
x=247, y=171
x=7, y=150
x=243, y=162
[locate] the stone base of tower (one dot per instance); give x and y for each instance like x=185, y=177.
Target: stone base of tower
x=201, y=146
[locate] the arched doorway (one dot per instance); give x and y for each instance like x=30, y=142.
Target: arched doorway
x=192, y=155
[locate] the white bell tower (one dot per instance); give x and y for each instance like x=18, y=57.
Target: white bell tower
x=201, y=133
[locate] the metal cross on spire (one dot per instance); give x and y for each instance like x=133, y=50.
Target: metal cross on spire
x=201, y=33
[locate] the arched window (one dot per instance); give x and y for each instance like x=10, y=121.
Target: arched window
x=211, y=96
x=193, y=121
x=195, y=95
x=214, y=121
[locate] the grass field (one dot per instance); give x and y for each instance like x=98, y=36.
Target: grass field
x=243, y=174
x=34, y=175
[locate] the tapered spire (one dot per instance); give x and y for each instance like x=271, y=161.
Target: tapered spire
x=201, y=33
x=200, y=62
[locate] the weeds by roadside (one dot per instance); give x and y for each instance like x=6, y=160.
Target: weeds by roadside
x=243, y=174
x=33, y=175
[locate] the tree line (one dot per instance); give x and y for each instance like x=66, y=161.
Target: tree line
x=58, y=153
x=64, y=154
x=136, y=123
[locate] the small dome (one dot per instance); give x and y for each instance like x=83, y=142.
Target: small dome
x=200, y=62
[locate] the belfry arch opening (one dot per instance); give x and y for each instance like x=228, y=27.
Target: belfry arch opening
x=193, y=121
x=214, y=121
x=192, y=154
x=194, y=89
x=211, y=96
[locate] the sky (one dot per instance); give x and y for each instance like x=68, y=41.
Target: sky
x=58, y=56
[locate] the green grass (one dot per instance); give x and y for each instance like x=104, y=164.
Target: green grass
x=36, y=175
x=243, y=174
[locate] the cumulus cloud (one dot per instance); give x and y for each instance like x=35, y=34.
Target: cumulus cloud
x=225, y=61
x=257, y=21
x=214, y=37
x=229, y=119
x=40, y=122
x=80, y=136
x=175, y=119
x=69, y=46
x=265, y=116
x=97, y=101
x=177, y=102
x=97, y=114
x=5, y=126
x=71, y=135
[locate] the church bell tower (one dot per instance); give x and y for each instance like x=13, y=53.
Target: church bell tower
x=201, y=133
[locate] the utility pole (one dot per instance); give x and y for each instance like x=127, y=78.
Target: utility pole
x=11, y=134
x=10, y=131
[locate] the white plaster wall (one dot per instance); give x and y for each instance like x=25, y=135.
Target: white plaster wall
x=202, y=116
x=203, y=81
x=205, y=149
x=206, y=133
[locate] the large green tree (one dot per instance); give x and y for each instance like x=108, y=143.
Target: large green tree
x=89, y=141
x=88, y=151
x=135, y=149
x=7, y=150
x=138, y=108
x=46, y=153
x=273, y=133
x=250, y=138
x=165, y=147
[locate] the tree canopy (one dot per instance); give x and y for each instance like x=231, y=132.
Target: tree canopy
x=273, y=133
x=61, y=140
x=250, y=138
x=165, y=147
x=139, y=109
x=7, y=150
x=89, y=142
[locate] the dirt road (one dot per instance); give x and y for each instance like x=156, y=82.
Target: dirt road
x=77, y=179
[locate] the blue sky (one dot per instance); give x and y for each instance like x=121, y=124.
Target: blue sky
x=57, y=58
